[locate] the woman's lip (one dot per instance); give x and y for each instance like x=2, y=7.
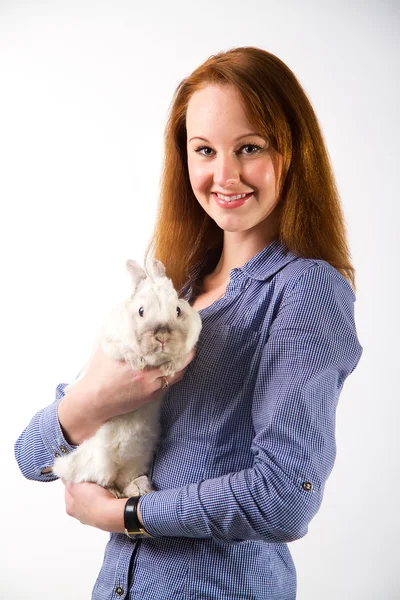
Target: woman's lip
x=232, y=203
x=233, y=193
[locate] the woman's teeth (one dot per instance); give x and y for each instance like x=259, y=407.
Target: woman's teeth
x=230, y=198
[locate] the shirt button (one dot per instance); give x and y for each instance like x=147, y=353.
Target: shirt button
x=120, y=590
x=64, y=450
x=57, y=454
x=307, y=486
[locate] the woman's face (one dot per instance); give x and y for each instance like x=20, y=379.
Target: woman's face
x=227, y=158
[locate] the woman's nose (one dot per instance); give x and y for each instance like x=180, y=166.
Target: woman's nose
x=227, y=171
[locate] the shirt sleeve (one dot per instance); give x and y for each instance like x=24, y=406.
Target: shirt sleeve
x=41, y=441
x=311, y=349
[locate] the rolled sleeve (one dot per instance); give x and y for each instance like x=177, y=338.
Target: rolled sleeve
x=228, y=509
x=41, y=441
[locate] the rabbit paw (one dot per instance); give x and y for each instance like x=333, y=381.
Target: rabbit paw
x=115, y=492
x=138, y=487
x=63, y=467
x=168, y=369
x=136, y=362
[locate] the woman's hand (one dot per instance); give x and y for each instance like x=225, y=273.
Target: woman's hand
x=93, y=505
x=108, y=388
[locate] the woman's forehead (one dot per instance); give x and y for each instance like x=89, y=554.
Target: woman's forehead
x=213, y=108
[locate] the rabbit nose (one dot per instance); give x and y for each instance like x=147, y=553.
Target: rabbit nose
x=162, y=334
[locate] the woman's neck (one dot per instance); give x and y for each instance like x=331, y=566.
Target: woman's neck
x=236, y=251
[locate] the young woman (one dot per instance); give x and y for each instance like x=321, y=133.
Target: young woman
x=251, y=231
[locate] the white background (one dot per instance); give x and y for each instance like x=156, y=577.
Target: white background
x=84, y=93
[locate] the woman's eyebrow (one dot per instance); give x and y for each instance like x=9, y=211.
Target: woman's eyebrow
x=235, y=140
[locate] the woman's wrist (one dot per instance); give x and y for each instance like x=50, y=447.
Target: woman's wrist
x=77, y=415
x=111, y=516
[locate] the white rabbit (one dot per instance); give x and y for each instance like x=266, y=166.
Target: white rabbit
x=153, y=327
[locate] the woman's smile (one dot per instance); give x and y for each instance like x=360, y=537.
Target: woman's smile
x=233, y=201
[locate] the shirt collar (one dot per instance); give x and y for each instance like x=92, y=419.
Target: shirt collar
x=268, y=261
x=263, y=265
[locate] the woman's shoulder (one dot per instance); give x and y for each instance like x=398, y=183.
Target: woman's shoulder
x=312, y=276
x=315, y=299
x=278, y=266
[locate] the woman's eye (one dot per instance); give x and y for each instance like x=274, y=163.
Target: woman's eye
x=247, y=149
x=141, y=311
x=204, y=150
x=253, y=148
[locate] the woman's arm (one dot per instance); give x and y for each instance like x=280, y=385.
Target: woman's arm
x=108, y=388
x=312, y=348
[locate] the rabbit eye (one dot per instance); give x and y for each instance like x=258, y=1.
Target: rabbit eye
x=178, y=311
x=141, y=311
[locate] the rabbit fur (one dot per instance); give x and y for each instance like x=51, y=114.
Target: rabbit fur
x=152, y=328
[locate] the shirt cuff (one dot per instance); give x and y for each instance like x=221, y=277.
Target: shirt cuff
x=160, y=513
x=53, y=439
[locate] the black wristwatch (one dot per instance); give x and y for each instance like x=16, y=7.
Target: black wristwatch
x=131, y=521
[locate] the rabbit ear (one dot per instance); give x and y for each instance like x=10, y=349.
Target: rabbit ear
x=154, y=268
x=136, y=272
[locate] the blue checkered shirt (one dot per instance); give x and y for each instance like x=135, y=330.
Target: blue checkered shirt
x=247, y=444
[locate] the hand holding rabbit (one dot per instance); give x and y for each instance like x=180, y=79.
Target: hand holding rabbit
x=109, y=388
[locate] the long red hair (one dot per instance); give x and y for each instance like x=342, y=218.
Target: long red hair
x=311, y=223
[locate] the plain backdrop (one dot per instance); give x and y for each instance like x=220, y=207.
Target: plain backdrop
x=85, y=90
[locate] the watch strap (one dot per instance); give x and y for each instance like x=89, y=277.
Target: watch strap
x=131, y=521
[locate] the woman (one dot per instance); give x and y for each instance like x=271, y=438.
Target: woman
x=250, y=229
